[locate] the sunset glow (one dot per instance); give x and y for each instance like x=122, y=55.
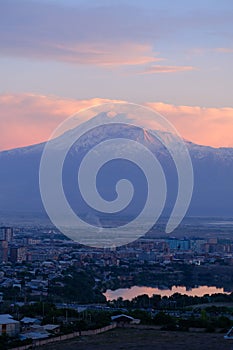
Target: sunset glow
x=32, y=118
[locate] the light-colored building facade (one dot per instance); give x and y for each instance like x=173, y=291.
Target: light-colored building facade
x=8, y=325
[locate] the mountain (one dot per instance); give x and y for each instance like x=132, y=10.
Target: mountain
x=213, y=175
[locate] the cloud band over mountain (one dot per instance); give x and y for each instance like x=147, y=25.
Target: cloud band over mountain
x=29, y=119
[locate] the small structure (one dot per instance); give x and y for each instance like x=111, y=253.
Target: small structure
x=34, y=332
x=122, y=320
x=27, y=322
x=52, y=328
x=8, y=325
x=34, y=335
x=229, y=334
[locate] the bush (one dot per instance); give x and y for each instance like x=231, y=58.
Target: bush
x=163, y=319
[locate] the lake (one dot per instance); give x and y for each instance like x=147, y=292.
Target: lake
x=130, y=293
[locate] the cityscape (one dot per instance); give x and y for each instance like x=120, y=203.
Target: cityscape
x=116, y=168
x=41, y=269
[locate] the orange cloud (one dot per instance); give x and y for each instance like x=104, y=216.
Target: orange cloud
x=29, y=119
x=205, y=126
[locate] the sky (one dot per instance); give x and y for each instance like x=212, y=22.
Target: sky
x=58, y=56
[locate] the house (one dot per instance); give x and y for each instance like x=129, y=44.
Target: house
x=34, y=335
x=52, y=328
x=27, y=322
x=34, y=331
x=123, y=320
x=8, y=325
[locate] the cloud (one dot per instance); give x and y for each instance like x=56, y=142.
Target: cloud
x=166, y=69
x=100, y=33
x=29, y=119
x=98, y=54
x=224, y=49
x=205, y=126
x=208, y=50
x=96, y=35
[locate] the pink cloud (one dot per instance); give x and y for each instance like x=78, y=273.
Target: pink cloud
x=106, y=55
x=205, y=126
x=224, y=49
x=166, y=69
x=81, y=34
x=205, y=50
x=29, y=119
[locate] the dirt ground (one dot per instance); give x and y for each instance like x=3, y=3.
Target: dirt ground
x=145, y=339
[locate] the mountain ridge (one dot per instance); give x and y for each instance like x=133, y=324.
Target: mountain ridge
x=213, y=173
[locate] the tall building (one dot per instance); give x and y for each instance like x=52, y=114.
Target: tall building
x=18, y=254
x=178, y=244
x=6, y=234
x=3, y=251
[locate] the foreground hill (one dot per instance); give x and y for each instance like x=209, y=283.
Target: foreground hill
x=146, y=339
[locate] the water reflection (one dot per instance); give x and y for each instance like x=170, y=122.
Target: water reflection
x=130, y=293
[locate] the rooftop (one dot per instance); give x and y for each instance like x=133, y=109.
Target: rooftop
x=7, y=319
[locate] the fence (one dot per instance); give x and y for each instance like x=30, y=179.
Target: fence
x=41, y=342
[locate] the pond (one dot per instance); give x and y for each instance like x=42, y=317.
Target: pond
x=130, y=293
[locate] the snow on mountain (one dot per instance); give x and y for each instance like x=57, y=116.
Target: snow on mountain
x=213, y=172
